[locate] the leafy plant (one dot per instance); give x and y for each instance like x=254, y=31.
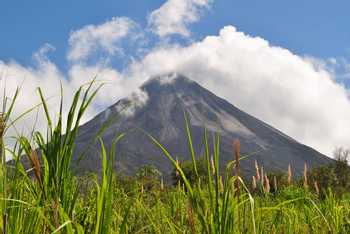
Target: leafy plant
x=40, y=194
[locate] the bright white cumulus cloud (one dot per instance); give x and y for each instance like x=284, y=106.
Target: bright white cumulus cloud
x=174, y=16
x=298, y=95
x=46, y=75
x=285, y=90
x=91, y=38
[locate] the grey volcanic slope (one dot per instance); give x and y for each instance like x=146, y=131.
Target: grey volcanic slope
x=162, y=116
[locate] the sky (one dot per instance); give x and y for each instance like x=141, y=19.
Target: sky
x=288, y=61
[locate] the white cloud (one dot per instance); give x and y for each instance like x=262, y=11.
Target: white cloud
x=87, y=40
x=41, y=55
x=134, y=101
x=338, y=67
x=174, y=16
x=295, y=94
x=269, y=82
x=48, y=77
x=45, y=75
x=116, y=85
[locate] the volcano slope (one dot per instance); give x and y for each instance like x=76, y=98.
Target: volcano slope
x=158, y=109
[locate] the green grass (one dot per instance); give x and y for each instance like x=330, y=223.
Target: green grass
x=51, y=199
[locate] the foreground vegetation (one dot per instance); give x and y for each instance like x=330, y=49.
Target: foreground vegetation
x=47, y=198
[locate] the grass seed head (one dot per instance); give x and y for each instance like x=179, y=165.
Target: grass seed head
x=267, y=184
x=257, y=170
x=317, y=189
x=275, y=183
x=191, y=220
x=262, y=175
x=237, y=152
x=36, y=165
x=237, y=158
x=2, y=131
x=2, y=125
x=177, y=165
x=289, y=174
x=221, y=184
x=212, y=165
x=55, y=208
x=254, y=182
x=305, y=176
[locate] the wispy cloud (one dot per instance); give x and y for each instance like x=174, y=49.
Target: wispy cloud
x=105, y=37
x=174, y=16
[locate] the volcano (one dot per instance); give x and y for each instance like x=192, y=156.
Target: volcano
x=158, y=109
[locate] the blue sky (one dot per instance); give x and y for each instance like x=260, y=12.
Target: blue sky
x=285, y=62
x=317, y=28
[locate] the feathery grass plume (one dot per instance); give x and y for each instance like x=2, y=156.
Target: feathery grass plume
x=178, y=165
x=253, y=182
x=2, y=130
x=221, y=184
x=190, y=216
x=275, y=183
x=305, y=176
x=289, y=174
x=2, y=125
x=316, y=188
x=262, y=175
x=161, y=184
x=34, y=159
x=257, y=171
x=266, y=184
x=237, y=155
x=178, y=185
x=54, y=206
x=212, y=165
x=237, y=152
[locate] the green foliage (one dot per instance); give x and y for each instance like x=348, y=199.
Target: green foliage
x=335, y=176
x=49, y=198
x=148, y=177
x=187, y=168
x=215, y=205
x=104, y=198
x=148, y=172
x=281, y=179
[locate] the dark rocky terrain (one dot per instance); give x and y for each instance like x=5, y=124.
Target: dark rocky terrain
x=162, y=116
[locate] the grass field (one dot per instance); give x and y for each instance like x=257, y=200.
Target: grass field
x=48, y=198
